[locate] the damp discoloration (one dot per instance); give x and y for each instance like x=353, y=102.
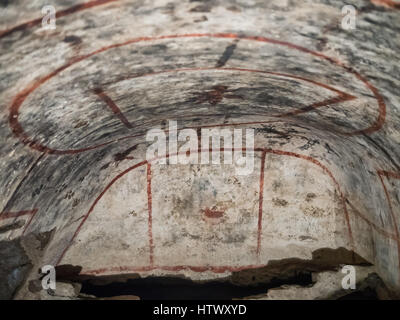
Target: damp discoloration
x=310, y=196
x=279, y=202
x=313, y=211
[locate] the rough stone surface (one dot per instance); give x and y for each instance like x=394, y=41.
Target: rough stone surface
x=19, y=258
x=14, y=266
x=327, y=285
x=323, y=102
x=64, y=289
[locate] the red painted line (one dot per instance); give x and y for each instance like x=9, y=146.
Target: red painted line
x=17, y=214
x=341, y=98
x=372, y=224
x=387, y=174
x=327, y=171
x=260, y=203
x=18, y=131
x=150, y=211
x=278, y=152
x=387, y=3
x=30, y=220
x=214, y=269
x=59, y=14
x=114, y=108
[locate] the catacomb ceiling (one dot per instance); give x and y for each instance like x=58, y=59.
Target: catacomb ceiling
x=77, y=102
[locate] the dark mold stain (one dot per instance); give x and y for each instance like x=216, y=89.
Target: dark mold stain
x=74, y=40
x=226, y=55
x=122, y=155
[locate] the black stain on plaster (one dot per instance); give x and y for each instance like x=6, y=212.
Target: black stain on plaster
x=122, y=155
x=73, y=40
x=4, y=3
x=226, y=55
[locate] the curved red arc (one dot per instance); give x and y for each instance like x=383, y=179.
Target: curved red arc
x=17, y=128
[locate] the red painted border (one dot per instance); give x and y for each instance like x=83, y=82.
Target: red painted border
x=22, y=96
x=150, y=211
x=149, y=195
x=394, y=175
x=387, y=3
x=221, y=269
x=260, y=202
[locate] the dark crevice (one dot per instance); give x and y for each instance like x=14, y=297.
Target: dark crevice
x=12, y=226
x=240, y=284
x=162, y=288
x=366, y=294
